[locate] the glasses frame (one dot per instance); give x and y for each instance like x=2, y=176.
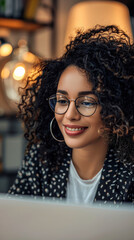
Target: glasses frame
x=73, y=100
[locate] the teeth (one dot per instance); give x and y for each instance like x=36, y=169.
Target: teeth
x=74, y=129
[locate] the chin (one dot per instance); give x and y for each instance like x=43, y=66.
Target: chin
x=73, y=143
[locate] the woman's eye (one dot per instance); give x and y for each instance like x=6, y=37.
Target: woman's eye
x=87, y=104
x=62, y=101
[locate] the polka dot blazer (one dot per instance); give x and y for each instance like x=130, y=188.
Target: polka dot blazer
x=38, y=178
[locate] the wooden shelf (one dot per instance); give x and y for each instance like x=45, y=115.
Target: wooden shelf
x=17, y=24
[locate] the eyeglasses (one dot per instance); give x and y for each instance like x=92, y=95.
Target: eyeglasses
x=85, y=105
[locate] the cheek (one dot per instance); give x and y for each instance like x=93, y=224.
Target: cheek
x=95, y=122
x=59, y=119
x=97, y=118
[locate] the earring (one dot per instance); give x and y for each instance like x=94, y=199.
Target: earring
x=101, y=132
x=51, y=123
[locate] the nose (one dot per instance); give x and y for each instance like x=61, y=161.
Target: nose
x=72, y=113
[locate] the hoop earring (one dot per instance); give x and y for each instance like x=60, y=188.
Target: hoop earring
x=51, y=123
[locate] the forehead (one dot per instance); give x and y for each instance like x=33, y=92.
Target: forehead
x=74, y=80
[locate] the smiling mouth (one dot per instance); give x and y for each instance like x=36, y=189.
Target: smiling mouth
x=73, y=131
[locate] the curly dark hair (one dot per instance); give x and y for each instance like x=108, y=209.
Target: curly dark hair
x=106, y=54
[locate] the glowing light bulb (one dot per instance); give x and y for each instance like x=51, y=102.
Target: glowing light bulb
x=5, y=72
x=19, y=73
x=5, y=50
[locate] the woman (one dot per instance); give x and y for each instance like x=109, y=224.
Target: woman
x=89, y=154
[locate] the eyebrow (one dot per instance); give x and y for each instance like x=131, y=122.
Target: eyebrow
x=79, y=94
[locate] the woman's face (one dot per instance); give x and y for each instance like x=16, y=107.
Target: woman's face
x=78, y=131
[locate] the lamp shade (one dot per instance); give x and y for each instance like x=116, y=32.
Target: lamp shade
x=85, y=15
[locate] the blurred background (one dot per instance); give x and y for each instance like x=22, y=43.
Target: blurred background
x=34, y=29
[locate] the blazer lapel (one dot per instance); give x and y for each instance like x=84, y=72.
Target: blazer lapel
x=57, y=179
x=108, y=188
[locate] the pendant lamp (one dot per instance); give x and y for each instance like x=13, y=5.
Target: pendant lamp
x=87, y=14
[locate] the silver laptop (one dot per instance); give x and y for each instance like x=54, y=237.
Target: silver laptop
x=29, y=219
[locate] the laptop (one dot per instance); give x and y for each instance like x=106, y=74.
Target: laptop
x=37, y=219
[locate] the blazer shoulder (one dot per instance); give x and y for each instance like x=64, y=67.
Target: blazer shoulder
x=32, y=153
x=127, y=169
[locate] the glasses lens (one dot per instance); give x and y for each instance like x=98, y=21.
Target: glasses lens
x=86, y=105
x=58, y=103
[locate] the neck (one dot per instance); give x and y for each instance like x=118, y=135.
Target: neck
x=88, y=161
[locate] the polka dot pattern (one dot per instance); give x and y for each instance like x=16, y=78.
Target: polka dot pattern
x=39, y=178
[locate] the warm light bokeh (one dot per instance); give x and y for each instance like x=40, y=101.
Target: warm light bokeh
x=19, y=72
x=5, y=49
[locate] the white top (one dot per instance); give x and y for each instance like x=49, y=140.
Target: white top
x=79, y=190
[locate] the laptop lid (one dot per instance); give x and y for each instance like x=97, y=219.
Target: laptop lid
x=30, y=219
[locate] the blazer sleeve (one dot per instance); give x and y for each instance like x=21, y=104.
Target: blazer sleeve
x=131, y=188
x=27, y=181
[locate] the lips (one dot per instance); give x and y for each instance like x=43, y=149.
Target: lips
x=73, y=130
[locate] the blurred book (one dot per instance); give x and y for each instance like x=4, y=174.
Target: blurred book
x=30, y=9
x=11, y=8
